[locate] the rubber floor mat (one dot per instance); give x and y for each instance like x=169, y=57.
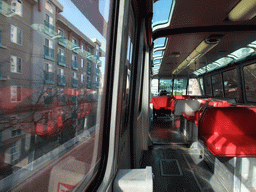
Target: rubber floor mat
x=170, y=167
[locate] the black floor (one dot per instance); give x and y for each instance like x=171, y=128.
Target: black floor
x=170, y=157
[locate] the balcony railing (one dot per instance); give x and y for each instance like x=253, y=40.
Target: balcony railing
x=61, y=60
x=75, y=48
x=74, y=65
x=74, y=82
x=62, y=41
x=61, y=80
x=48, y=53
x=89, y=56
x=48, y=77
x=89, y=70
x=48, y=28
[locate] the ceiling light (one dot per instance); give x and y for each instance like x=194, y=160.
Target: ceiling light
x=244, y=10
x=199, y=51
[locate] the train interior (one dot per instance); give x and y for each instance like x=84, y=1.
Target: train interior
x=201, y=98
x=162, y=100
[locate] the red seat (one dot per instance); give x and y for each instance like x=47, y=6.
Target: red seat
x=229, y=131
x=159, y=102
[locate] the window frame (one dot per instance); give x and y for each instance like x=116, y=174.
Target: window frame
x=14, y=98
x=16, y=64
x=12, y=35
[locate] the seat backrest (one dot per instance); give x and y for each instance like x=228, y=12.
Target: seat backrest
x=188, y=106
x=228, y=120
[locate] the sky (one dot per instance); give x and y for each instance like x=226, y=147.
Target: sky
x=73, y=15
x=161, y=11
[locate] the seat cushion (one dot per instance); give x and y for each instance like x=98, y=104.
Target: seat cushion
x=230, y=145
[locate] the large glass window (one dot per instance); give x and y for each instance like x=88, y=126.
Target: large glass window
x=57, y=126
x=165, y=85
x=179, y=86
x=194, y=87
x=201, y=82
x=230, y=79
x=208, y=87
x=217, y=86
x=250, y=82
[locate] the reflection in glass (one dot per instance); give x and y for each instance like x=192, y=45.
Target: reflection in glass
x=179, y=86
x=48, y=111
x=217, y=86
x=230, y=79
x=165, y=85
x=250, y=81
x=242, y=53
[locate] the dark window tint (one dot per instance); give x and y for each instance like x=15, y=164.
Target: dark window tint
x=208, y=88
x=217, y=86
x=230, y=79
x=250, y=81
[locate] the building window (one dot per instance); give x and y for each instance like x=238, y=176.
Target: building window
x=16, y=35
x=61, y=32
x=82, y=63
x=82, y=78
x=61, y=52
x=88, y=50
x=82, y=47
x=74, y=41
x=15, y=153
x=49, y=7
x=16, y=132
x=48, y=67
x=48, y=43
x=15, y=64
x=15, y=93
x=74, y=57
x=74, y=75
x=16, y=6
x=49, y=19
x=61, y=71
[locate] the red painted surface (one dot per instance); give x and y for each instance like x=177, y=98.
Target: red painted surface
x=229, y=131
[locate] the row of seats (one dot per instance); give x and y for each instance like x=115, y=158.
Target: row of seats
x=226, y=129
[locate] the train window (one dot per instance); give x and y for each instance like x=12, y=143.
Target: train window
x=54, y=142
x=201, y=82
x=230, y=79
x=194, y=87
x=217, y=86
x=179, y=86
x=162, y=13
x=208, y=87
x=165, y=85
x=250, y=81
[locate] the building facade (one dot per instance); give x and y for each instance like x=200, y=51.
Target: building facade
x=49, y=71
